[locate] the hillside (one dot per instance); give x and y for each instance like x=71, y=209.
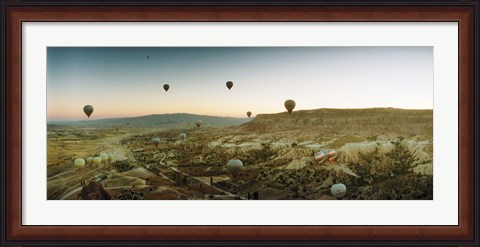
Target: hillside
x=156, y=120
x=347, y=121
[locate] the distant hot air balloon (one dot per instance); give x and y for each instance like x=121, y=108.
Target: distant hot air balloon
x=338, y=190
x=88, y=109
x=166, y=87
x=289, y=105
x=89, y=160
x=97, y=160
x=234, y=166
x=183, y=136
x=229, y=85
x=249, y=113
x=198, y=123
x=156, y=141
x=104, y=157
x=79, y=162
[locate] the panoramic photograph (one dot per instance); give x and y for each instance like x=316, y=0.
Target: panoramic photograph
x=240, y=123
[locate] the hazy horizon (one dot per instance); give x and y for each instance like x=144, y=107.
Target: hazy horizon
x=175, y=113
x=123, y=82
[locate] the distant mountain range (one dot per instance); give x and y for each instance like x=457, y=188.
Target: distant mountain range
x=156, y=120
x=346, y=120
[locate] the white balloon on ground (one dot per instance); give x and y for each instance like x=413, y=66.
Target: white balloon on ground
x=97, y=160
x=90, y=160
x=110, y=157
x=182, y=136
x=234, y=166
x=79, y=162
x=338, y=190
x=104, y=157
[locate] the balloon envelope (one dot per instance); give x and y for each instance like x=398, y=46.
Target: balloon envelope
x=338, y=190
x=104, y=157
x=249, y=113
x=229, y=85
x=79, y=162
x=88, y=109
x=183, y=136
x=289, y=105
x=97, y=160
x=198, y=123
x=166, y=87
x=89, y=160
x=110, y=157
x=234, y=166
x=156, y=141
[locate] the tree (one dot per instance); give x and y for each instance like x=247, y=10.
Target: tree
x=401, y=159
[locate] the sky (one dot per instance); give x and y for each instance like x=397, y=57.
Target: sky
x=123, y=82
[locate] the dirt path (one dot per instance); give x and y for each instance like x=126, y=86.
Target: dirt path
x=120, y=152
x=72, y=181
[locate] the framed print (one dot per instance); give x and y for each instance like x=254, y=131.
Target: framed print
x=240, y=123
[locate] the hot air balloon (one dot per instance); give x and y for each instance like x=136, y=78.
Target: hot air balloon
x=198, y=123
x=89, y=160
x=79, y=162
x=156, y=141
x=88, y=109
x=97, y=160
x=234, y=166
x=166, y=87
x=104, y=157
x=183, y=136
x=110, y=157
x=249, y=113
x=229, y=85
x=325, y=154
x=338, y=190
x=289, y=105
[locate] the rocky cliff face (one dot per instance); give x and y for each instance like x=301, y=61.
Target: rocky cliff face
x=346, y=121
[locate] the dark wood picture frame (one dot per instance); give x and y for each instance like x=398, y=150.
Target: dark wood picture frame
x=13, y=13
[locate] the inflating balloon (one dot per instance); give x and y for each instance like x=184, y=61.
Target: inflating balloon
x=97, y=160
x=110, y=157
x=249, y=113
x=289, y=105
x=229, y=85
x=79, y=162
x=89, y=160
x=166, y=87
x=338, y=190
x=104, y=157
x=88, y=109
